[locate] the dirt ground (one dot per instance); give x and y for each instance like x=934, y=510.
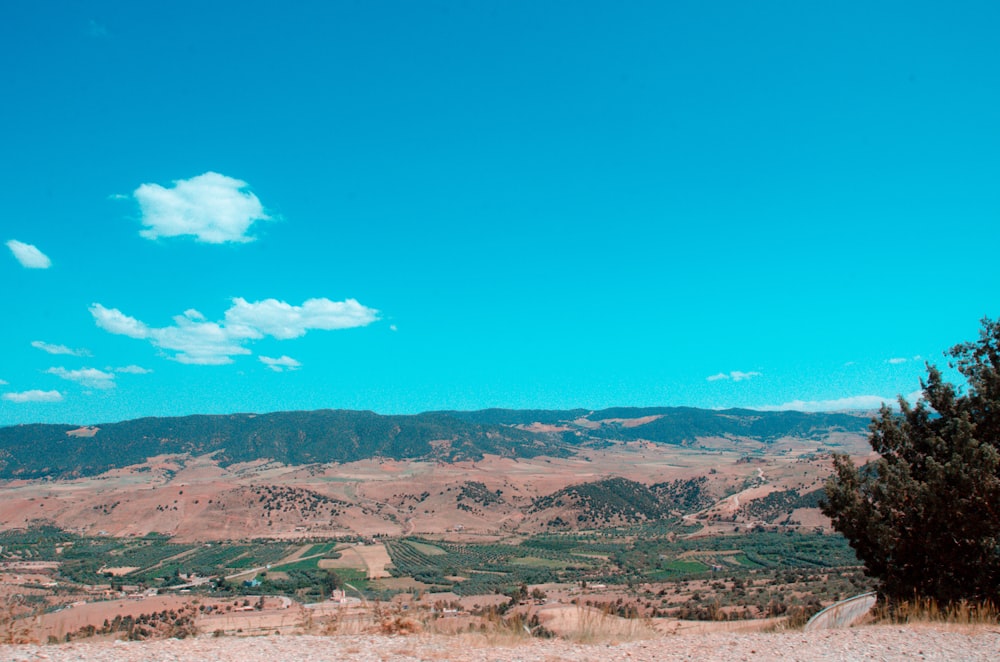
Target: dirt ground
x=194, y=499
x=925, y=642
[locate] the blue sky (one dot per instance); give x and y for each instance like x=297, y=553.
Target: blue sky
x=400, y=206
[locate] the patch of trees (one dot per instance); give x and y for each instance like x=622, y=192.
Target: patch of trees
x=686, y=495
x=477, y=493
x=174, y=624
x=297, y=500
x=778, y=503
x=609, y=501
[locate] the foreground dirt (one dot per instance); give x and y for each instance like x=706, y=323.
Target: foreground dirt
x=924, y=642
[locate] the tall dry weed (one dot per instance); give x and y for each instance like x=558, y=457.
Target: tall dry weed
x=929, y=611
x=602, y=625
x=17, y=621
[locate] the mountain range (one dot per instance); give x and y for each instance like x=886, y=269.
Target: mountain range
x=306, y=437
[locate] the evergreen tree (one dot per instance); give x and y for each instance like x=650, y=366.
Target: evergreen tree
x=925, y=517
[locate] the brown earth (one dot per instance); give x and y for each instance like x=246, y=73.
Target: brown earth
x=195, y=499
x=925, y=642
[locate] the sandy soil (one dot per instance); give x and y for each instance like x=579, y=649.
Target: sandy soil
x=866, y=643
x=194, y=499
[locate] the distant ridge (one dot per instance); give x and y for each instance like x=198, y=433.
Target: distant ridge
x=306, y=437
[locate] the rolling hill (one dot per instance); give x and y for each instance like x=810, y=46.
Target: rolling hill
x=325, y=436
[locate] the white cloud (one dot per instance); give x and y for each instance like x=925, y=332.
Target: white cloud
x=211, y=207
x=116, y=322
x=29, y=256
x=283, y=321
x=735, y=375
x=280, y=364
x=133, y=370
x=197, y=341
x=855, y=402
x=896, y=360
x=864, y=402
x=58, y=349
x=3, y=382
x=91, y=377
x=34, y=396
x=194, y=341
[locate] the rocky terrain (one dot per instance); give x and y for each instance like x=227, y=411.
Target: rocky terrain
x=912, y=642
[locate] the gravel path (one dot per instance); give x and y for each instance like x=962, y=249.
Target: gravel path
x=923, y=642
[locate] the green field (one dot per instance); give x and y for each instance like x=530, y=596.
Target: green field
x=607, y=557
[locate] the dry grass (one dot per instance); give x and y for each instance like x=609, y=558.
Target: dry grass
x=913, y=612
x=603, y=626
x=17, y=621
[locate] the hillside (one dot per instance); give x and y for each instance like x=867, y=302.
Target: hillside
x=293, y=438
x=324, y=436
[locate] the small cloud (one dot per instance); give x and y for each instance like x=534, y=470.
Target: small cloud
x=3, y=382
x=33, y=396
x=212, y=208
x=198, y=341
x=735, y=375
x=58, y=349
x=848, y=364
x=115, y=321
x=90, y=377
x=896, y=360
x=862, y=402
x=97, y=30
x=132, y=370
x=393, y=327
x=280, y=364
x=29, y=256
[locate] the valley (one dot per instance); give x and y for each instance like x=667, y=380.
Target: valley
x=708, y=528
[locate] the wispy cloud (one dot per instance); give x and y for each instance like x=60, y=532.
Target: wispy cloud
x=211, y=208
x=97, y=30
x=58, y=349
x=91, y=377
x=280, y=364
x=3, y=382
x=858, y=402
x=132, y=370
x=195, y=340
x=34, y=396
x=896, y=360
x=28, y=255
x=735, y=375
